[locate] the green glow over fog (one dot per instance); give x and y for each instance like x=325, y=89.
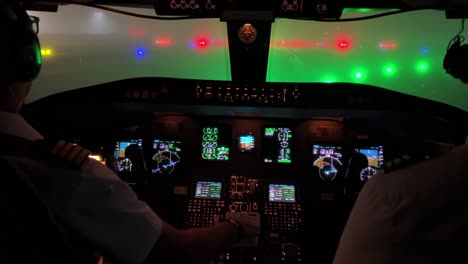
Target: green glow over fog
x=393, y=52
x=403, y=52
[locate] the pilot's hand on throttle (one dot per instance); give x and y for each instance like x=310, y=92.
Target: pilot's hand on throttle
x=250, y=223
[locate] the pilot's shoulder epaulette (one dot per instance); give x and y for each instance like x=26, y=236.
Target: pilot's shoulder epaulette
x=70, y=152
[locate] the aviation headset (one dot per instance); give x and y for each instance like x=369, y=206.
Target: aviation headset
x=19, y=43
x=455, y=58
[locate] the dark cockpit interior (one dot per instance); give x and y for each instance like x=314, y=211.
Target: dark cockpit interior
x=252, y=106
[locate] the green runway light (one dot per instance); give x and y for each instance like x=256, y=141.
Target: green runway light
x=389, y=70
x=329, y=79
x=422, y=67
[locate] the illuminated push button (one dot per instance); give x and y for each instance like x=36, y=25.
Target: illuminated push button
x=254, y=206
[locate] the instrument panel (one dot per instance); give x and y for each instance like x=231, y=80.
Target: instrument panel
x=295, y=175
x=222, y=150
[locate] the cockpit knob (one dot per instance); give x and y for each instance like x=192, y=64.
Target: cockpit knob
x=233, y=207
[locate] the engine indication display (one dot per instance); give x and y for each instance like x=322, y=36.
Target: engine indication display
x=277, y=145
x=216, y=141
x=166, y=156
x=375, y=158
x=329, y=161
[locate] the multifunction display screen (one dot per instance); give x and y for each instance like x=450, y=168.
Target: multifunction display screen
x=328, y=159
x=216, y=142
x=282, y=193
x=277, y=145
x=122, y=164
x=246, y=143
x=208, y=190
x=375, y=159
x=166, y=156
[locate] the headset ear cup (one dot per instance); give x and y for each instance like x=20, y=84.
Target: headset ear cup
x=452, y=62
x=447, y=62
x=24, y=58
x=32, y=58
x=463, y=64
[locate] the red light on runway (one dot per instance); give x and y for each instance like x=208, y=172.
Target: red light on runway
x=202, y=43
x=163, y=42
x=343, y=44
x=137, y=32
x=293, y=44
x=298, y=44
x=388, y=45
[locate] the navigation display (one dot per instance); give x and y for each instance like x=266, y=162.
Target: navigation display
x=277, y=145
x=166, y=156
x=246, y=143
x=122, y=163
x=216, y=142
x=282, y=193
x=375, y=158
x=329, y=161
x=208, y=190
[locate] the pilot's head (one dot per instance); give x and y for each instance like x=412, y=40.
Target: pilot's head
x=21, y=60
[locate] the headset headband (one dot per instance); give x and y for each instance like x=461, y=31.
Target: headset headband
x=23, y=56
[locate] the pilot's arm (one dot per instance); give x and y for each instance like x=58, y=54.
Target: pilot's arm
x=193, y=245
x=109, y=215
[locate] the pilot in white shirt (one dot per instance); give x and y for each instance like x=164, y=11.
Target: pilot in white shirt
x=94, y=201
x=414, y=215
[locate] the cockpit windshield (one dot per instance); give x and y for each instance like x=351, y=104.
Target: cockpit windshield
x=84, y=46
